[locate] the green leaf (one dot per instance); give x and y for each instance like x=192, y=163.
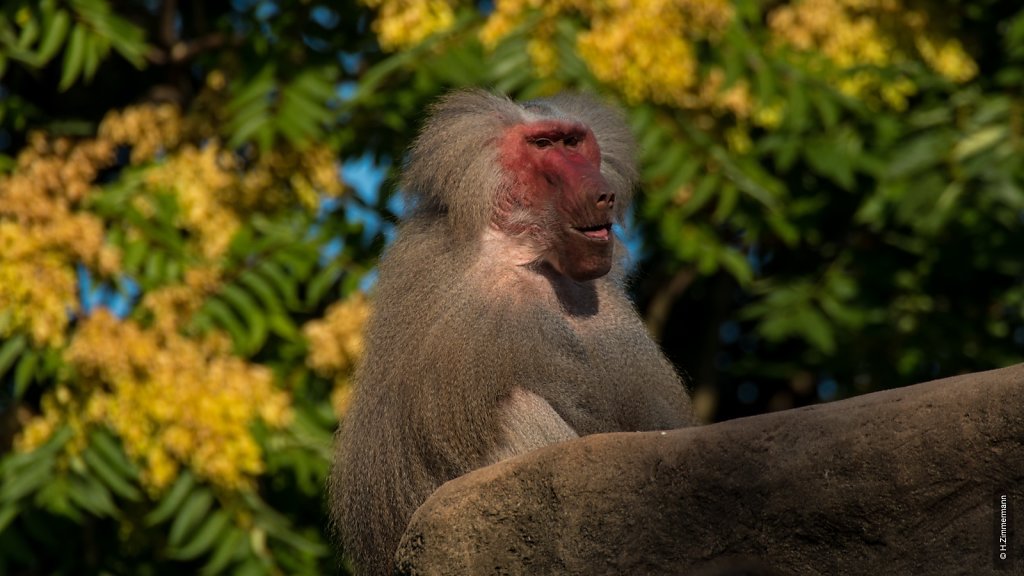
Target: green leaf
x=300, y=542
x=458, y=66
x=783, y=228
x=702, y=193
x=509, y=62
x=641, y=119
x=262, y=289
x=173, y=500
x=848, y=316
x=317, y=85
x=669, y=161
x=256, y=90
x=249, y=109
x=311, y=106
x=670, y=230
x=314, y=432
x=153, y=272
x=284, y=326
x=833, y=157
x=15, y=463
x=751, y=179
x=322, y=282
x=160, y=231
x=11, y=351
x=55, y=497
x=298, y=119
x=282, y=282
x=651, y=141
x=222, y=315
x=736, y=264
x=128, y=39
x=247, y=307
x=27, y=479
x=515, y=80
x=110, y=29
x=298, y=259
x=815, y=328
x=253, y=566
x=24, y=372
x=206, y=536
x=796, y=106
x=107, y=473
x=134, y=254
x=107, y=447
x=249, y=124
x=95, y=49
x=241, y=300
x=192, y=513
x=980, y=141
x=29, y=33
x=775, y=327
x=231, y=546
x=727, y=199
x=920, y=154
x=278, y=526
x=828, y=108
x=73, y=58
x=785, y=148
x=88, y=493
x=8, y=512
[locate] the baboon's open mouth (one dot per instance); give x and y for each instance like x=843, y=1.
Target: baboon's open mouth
x=596, y=232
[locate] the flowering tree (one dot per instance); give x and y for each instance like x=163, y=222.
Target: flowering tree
x=831, y=203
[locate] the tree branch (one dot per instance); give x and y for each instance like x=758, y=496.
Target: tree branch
x=185, y=51
x=661, y=303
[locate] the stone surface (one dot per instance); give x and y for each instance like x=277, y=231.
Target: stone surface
x=896, y=482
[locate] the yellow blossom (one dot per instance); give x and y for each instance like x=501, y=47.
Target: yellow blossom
x=856, y=35
x=148, y=129
x=738, y=139
x=173, y=306
x=647, y=48
x=341, y=397
x=37, y=431
x=769, y=116
x=36, y=295
x=644, y=47
x=213, y=191
x=172, y=402
x=947, y=57
x=336, y=345
x=336, y=341
x=201, y=180
x=404, y=23
x=542, y=53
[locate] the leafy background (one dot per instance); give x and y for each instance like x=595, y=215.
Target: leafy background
x=191, y=206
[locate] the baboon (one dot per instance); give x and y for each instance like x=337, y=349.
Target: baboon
x=501, y=322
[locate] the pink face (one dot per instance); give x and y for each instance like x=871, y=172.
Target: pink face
x=555, y=169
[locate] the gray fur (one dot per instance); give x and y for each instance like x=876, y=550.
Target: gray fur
x=529, y=422
x=472, y=335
